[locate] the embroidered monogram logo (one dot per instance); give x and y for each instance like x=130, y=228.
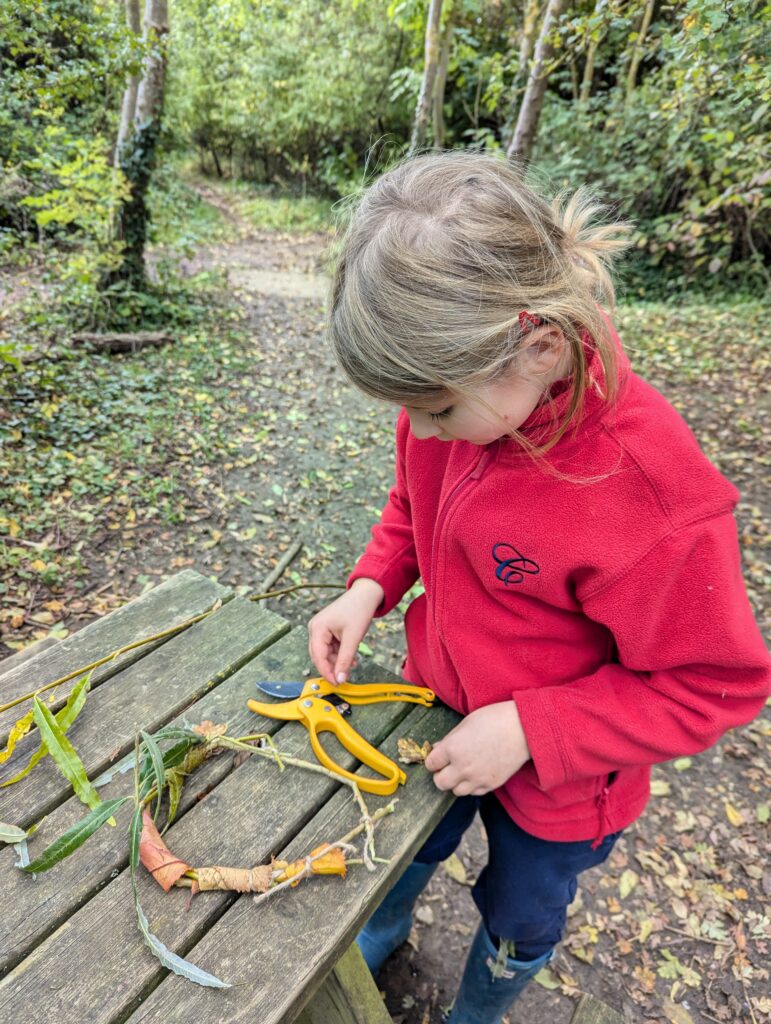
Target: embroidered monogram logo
x=512, y=567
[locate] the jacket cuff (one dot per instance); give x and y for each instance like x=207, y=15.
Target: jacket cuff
x=390, y=575
x=540, y=725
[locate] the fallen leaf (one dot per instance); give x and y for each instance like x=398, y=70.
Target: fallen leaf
x=455, y=869
x=734, y=816
x=547, y=979
x=256, y=879
x=627, y=882
x=157, y=857
x=676, y=1012
x=332, y=863
x=209, y=730
x=411, y=753
x=425, y=915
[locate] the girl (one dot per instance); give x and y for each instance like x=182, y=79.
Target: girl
x=583, y=608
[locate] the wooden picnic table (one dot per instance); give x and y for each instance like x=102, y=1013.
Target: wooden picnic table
x=70, y=948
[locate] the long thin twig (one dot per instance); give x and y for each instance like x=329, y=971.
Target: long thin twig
x=159, y=636
x=110, y=657
x=281, y=565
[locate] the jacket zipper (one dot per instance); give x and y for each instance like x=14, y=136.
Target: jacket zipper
x=474, y=474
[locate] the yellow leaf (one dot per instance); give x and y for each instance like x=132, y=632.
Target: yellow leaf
x=676, y=1012
x=646, y=927
x=546, y=978
x=39, y=565
x=660, y=787
x=19, y=730
x=734, y=816
x=627, y=882
x=455, y=869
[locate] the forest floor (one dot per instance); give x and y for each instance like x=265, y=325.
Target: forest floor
x=219, y=452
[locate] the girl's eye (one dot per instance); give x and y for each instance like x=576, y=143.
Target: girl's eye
x=441, y=415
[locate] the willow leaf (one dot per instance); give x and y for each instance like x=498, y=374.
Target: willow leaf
x=123, y=766
x=75, y=835
x=135, y=835
x=159, y=771
x=23, y=860
x=64, y=718
x=173, y=962
x=65, y=755
x=11, y=833
x=175, y=781
x=19, y=731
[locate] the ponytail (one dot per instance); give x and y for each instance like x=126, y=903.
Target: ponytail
x=592, y=245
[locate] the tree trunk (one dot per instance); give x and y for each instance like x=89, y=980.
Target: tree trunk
x=637, y=52
x=129, y=104
x=441, y=81
x=530, y=111
x=586, y=81
x=423, y=109
x=527, y=39
x=136, y=155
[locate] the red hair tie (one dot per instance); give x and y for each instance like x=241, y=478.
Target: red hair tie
x=527, y=321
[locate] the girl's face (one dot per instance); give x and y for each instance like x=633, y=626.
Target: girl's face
x=453, y=418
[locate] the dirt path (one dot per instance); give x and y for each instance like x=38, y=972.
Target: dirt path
x=674, y=930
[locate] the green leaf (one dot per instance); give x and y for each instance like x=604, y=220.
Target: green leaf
x=170, y=960
x=65, y=755
x=159, y=770
x=64, y=718
x=11, y=833
x=75, y=836
x=175, y=782
x=135, y=834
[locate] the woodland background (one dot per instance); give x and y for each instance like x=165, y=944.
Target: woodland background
x=180, y=168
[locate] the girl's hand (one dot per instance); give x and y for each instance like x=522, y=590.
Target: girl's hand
x=480, y=753
x=335, y=633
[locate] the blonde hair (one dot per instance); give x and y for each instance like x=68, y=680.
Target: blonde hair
x=441, y=254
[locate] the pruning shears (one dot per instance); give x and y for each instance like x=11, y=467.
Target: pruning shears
x=321, y=706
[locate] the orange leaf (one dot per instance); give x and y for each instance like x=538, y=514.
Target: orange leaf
x=157, y=857
x=209, y=730
x=332, y=863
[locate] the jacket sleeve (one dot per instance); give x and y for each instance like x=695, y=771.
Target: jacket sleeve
x=690, y=664
x=390, y=556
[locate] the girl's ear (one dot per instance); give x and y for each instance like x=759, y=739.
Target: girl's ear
x=542, y=351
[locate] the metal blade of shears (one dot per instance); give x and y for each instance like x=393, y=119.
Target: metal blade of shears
x=292, y=690
x=286, y=690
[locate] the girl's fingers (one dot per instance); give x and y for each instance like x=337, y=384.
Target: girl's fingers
x=447, y=778
x=437, y=759
x=345, y=658
x=320, y=647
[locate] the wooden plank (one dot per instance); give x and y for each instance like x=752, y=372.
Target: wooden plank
x=248, y=816
x=143, y=696
x=173, y=601
x=30, y=651
x=348, y=996
x=33, y=911
x=592, y=1011
x=277, y=955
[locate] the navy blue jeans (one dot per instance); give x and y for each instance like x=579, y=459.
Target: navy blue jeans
x=524, y=891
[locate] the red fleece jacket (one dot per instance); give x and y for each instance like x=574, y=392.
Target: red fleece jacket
x=605, y=598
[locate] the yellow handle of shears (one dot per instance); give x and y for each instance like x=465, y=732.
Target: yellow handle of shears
x=324, y=717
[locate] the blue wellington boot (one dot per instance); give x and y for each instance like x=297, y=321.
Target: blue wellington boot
x=390, y=925
x=483, y=999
